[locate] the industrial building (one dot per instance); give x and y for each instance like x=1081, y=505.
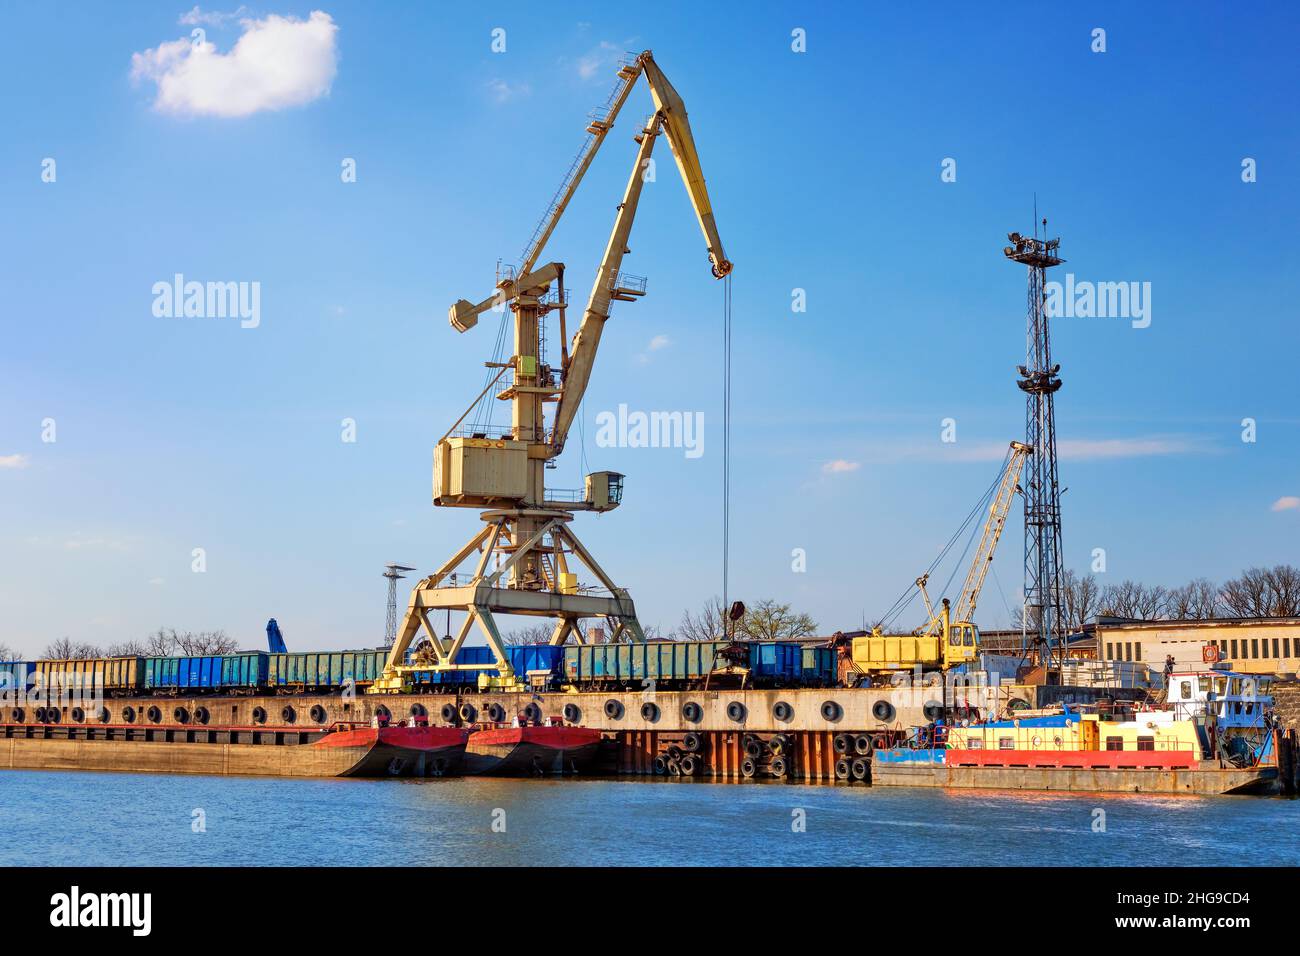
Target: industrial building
x=1255, y=645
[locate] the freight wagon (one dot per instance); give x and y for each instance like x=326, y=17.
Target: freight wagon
x=325, y=671
x=16, y=676
x=693, y=663
x=117, y=676
x=540, y=663
x=244, y=672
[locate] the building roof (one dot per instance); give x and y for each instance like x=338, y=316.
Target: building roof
x=1130, y=624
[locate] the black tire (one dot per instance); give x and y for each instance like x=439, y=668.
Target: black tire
x=53, y=715
x=754, y=748
x=319, y=715
x=861, y=768
x=778, y=767
x=782, y=711
x=180, y=715
x=495, y=712
x=649, y=712
x=259, y=715
x=288, y=714
x=693, y=743
x=883, y=711
x=674, y=768
x=448, y=713
x=20, y=715
x=572, y=713
x=78, y=715
x=862, y=745
x=417, y=710
x=689, y=764
x=748, y=767
x=660, y=764
x=843, y=743
x=843, y=768
x=468, y=713
x=128, y=715
x=154, y=715
x=692, y=711
x=201, y=715
x=736, y=711
x=831, y=710
x=613, y=709
x=933, y=710
x=532, y=713
x=781, y=744
x=39, y=715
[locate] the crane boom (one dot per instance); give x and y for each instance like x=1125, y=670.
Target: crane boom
x=998, y=510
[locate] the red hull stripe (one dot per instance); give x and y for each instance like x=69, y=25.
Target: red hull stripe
x=558, y=737
x=409, y=738
x=1088, y=759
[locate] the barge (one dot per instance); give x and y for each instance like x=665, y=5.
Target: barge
x=251, y=751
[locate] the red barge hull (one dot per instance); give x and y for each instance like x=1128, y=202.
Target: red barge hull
x=531, y=751
x=401, y=751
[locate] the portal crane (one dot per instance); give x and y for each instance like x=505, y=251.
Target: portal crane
x=524, y=546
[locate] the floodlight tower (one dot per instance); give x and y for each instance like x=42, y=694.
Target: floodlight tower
x=394, y=574
x=1042, y=624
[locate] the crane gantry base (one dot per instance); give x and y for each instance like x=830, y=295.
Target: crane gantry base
x=484, y=597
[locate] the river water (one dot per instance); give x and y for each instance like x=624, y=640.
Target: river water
x=69, y=819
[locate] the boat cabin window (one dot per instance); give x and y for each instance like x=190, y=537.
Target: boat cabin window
x=974, y=743
x=1204, y=684
x=1185, y=689
x=1146, y=743
x=1114, y=743
x=1006, y=743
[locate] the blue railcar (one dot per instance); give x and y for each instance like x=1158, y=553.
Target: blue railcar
x=540, y=660
x=775, y=662
x=16, y=676
x=819, y=667
x=244, y=671
x=196, y=673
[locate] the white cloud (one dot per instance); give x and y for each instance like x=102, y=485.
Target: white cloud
x=1286, y=503
x=277, y=62
x=840, y=466
x=157, y=581
x=197, y=17
x=660, y=342
x=503, y=90
x=14, y=461
x=595, y=62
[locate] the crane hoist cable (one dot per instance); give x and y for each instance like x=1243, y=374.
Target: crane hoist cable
x=981, y=508
x=726, y=452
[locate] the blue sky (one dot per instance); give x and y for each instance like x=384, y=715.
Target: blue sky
x=824, y=169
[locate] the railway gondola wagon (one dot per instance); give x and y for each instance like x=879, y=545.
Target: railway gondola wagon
x=114, y=676
x=244, y=673
x=16, y=678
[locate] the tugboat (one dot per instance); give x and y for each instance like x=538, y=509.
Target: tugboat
x=1224, y=742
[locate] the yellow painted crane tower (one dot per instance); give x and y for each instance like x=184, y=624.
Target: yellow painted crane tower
x=526, y=553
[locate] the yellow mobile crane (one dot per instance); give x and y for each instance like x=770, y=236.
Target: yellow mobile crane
x=949, y=637
x=524, y=548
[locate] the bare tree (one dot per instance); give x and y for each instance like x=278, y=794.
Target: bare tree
x=1079, y=598
x=532, y=634
x=66, y=649
x=708, y=625
x=1133, y=599
x=1264, y=592
x=1197, y=600
x=7, y=653
x=127, y=649
x=200, y=643
x=769, y=621
x=161, y=642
